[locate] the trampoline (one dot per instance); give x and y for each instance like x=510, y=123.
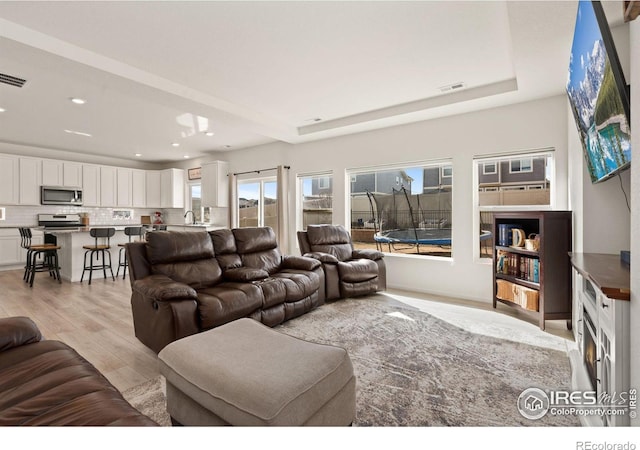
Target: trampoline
x=403, y=220
x=421, y=236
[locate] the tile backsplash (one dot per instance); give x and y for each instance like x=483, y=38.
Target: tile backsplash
x=28, y=215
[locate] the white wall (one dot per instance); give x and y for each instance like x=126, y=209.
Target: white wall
x=533, y=125
x=634, y=80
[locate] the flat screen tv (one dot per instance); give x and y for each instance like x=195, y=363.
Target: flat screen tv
x=598, y=95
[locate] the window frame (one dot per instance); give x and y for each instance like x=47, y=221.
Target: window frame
x=261, y=182
x=530, y=170
x=300, y=194
x=495, y=168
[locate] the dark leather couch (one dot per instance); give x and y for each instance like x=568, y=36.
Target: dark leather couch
x=348, y=272
x=186, y=282
x=46, y=382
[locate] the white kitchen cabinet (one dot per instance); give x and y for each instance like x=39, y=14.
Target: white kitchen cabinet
x=172, y=188
x=215, y=186
x=10, y=250
x=153, y=189
x=71, y=174
x=90, y=185
x=52, y=172
x=123, y=187
x=30, y=181
x=108, y=186
x=9, y=180
x=138, y=188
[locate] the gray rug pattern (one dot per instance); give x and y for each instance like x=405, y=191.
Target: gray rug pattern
x=413, y=369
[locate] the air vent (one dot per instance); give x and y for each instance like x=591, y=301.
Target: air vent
x=452, y=87
x=11, y=80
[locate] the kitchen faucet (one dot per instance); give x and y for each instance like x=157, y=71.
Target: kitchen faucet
x=193, y=216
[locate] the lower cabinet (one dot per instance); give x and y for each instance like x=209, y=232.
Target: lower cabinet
x=11, y=253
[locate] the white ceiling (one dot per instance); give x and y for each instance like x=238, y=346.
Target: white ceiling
x=154, y=73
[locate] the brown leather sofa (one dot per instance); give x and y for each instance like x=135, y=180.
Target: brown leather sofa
x=186, y=282
x=45, y=382
x=348, y=272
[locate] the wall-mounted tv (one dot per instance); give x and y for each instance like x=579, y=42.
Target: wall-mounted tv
x=598, y=94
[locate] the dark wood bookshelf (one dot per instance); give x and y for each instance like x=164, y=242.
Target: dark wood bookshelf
x=554, y=269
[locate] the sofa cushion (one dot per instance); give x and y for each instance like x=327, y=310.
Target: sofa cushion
x=165, y=247
x=357, y=270
x=226, y=302
x=299, y=284
x=245, y=274
x=198, y=274
x=274, y=292
x=224, y=244
x=331, y=239
x=49, y=383
x=258, y=248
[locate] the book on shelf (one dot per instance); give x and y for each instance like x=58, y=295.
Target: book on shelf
x=518, y=266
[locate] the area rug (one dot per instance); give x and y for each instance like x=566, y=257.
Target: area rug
x=414, y=369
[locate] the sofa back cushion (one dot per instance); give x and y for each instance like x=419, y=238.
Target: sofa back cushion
x=224, y=244
x=258, y=248
x=184, y=256
x=332, y=239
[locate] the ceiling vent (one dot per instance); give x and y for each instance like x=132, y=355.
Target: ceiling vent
x=452, y=87
x=11, y=80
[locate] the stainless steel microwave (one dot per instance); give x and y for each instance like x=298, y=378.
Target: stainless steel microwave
x=57, y=195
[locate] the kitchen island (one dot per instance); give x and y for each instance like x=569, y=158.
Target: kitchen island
x=71, y=253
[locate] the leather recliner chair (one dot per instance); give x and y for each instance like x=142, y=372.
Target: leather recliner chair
x=348, y=272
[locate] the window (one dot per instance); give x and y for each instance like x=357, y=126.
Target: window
x=489, y=168
x=526, y=184
x=315, y=205
x=200, y=213
x=521, y=165
x=258, y=204
x=402, y=209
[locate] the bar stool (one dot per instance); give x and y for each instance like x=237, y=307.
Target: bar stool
x=102, y=245
x=122, y=254
x=47, y=253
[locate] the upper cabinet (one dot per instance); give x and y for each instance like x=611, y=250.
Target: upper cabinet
x=30, y=176
x=152, y=184
x=61, y=173
x=172, y=188
x=138, y=188
x=71, y=174
x=90, y=185
x=108, y=186
x=9, y=180
x=123, y=187
x=52, y=172
x=215, y=187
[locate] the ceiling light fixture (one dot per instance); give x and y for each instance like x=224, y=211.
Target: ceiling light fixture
x=78, y=133
x=2, y=110
x=175, y=144
x=138, y=155
x=209, y=133
x=78, y=101
x=186, y=156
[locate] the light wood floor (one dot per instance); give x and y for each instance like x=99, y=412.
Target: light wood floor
x=95, y=320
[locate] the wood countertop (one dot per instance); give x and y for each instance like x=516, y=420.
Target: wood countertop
x=606, y=271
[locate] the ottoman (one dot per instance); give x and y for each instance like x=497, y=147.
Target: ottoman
x=245, y=373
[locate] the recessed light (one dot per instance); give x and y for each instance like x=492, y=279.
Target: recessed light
x=209, y=133
x=175, y=144
x=78, y=101
x=138, y=155
x=227, y=146
x=78, y=133
x=186, y=156
x=2, y=110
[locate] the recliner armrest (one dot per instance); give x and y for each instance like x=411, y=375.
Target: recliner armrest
x=373, y=255
x=324, y=258
x=17, y=331
x=162, y=288
x=299, y=263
